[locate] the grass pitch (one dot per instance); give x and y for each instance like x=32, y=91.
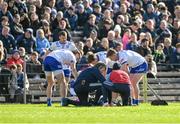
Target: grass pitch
x=39, y=113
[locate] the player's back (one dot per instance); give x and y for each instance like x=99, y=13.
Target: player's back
x=101, y=56
x=63, y=55
x=67, y=45
x=133, y=58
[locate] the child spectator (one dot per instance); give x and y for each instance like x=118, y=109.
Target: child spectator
x=159, y=56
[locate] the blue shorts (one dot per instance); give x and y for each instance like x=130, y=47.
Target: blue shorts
x=67, y=72
x=51, y=64
x=143, y=68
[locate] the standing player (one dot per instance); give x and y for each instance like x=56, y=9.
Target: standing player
x=53, y=67
x=134, y=64
x=64, y=44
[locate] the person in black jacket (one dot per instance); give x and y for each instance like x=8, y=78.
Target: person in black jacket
x=87, y=82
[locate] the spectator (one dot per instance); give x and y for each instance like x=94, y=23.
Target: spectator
x=144, y=49
x=34, y=22
x=159, y=56
x=111, y=39
x=3, y=54
x=4, y=12
x=72, y=17
x=25, y=21
x=47, y=31
x=120, y=21
x=117, y=31
x=8, y=40
x=16, y=27
x=90, y=26
x=27, y=41
x=41, y=41
x=34, y=59
x=82, y=15
x=168, y=49
x=104, y=45
x=56, y=21
x=133, y=44
x=152, y=68
x=97, y=12
x=4, y=22
x=175, y=59
x=62, y=26
x=175, y=29
x=23, y=54
x=126, y=38
x=14, y=59
x=87, y=6
x=88, y=46
x=96, y=41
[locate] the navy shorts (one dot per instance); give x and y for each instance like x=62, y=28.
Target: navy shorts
x=51, y=64
x=67, y=72
x=143, y=68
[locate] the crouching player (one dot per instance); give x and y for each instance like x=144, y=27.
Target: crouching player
x=87, y=82
x=118, y=81
x=53, y=67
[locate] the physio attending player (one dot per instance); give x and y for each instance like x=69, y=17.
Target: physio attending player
x=53, y=67
x=118, y=81
x=134, y=64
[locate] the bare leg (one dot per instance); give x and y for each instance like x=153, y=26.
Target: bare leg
x=50, y=80
x=63, y=85
x=135, y=79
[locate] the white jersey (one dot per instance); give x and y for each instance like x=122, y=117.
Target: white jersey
x=131, y=58
x=101, y=56
x=63, y=56
x=67, y=45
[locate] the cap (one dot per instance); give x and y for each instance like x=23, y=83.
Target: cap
x=80, y=6
x=117, y=28
x=29, y=30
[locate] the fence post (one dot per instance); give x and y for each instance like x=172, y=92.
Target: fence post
x=145, y=88
x=24, y=68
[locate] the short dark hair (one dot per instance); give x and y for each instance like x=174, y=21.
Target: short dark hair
x=111, y=52
x=100, y=65
x=91, y=58
x=62, y=33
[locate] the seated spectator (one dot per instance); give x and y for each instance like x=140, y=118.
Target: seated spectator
x=169, y=50
x=8, y=40
x=27, y=41
x=14, y=59
x=111, y=39
x=82, y=15
x=63, y=25
x=117, y=31
x=96, y=41
x=87, y=6
x=104, y=45
x=126, y=38
x=88, y=46
x=41, y=41
x=175, y=59
x=4, y=22
x=3, y=54
x=97, y=12
x=25, y=21
x=133, y=44
x=152, y=68
x=144, y=49
x=23, y=54
x=72, y=17
x=47, y=31
x=34, y=58
x=89, y=26
x=55, y=22
x=159, y=56
x=16, y=27
x=35, y=24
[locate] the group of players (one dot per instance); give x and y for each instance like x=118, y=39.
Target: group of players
x=123, y=77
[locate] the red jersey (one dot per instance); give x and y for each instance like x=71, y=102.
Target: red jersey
x=119, y=76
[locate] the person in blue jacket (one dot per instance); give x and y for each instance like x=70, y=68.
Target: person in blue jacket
x=88, y=81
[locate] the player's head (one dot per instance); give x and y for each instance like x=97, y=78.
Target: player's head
x=62, y=36
x=101, y=67
x=112, y=54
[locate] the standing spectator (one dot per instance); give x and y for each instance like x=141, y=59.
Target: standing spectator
x=14, y=59
x=7, y=39
x=41, y=41
x=27, y=41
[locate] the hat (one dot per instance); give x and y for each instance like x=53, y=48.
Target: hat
x=80, y=6
x=29, y=30
x=15, y=51
x=97, y=5
x=117, y=28
x=53, y=12
x=116, y=66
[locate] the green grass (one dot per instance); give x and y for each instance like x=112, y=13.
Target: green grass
x=39, y=113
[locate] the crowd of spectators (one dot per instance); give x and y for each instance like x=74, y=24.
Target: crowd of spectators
x=149, y=27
